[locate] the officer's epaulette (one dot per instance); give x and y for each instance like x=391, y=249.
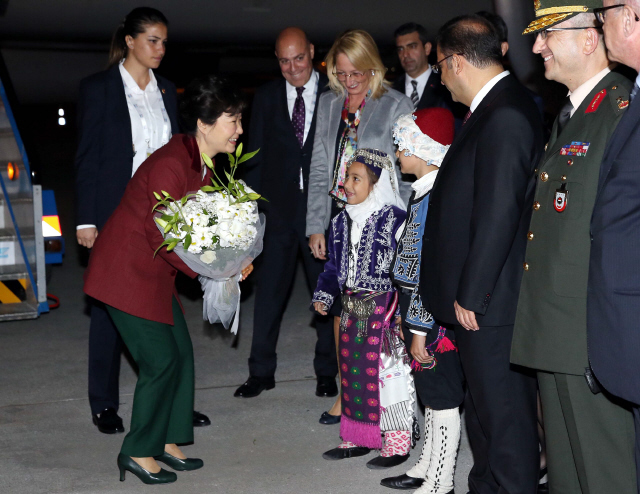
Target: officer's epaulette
x=619, y=97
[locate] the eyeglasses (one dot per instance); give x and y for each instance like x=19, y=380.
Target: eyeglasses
x=601, y=12
x=545, y=32
x=355, y=75
x=436, y=66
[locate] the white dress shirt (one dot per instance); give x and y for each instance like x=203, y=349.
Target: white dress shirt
x=421, y=80
x=150, y=124
x=582, y=91
x=309, y=97
x=486, y=88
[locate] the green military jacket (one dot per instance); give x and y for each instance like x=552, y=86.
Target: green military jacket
x=550, y=332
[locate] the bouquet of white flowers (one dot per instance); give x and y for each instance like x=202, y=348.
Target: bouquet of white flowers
x=220, y=232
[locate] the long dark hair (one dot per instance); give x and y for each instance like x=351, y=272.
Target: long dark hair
x=206, y=98
x=136, y=22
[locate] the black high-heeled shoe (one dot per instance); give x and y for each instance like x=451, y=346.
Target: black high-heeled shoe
x=178, y=463
x=162, y=477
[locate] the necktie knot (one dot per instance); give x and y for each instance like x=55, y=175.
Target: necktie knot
x=300, y=90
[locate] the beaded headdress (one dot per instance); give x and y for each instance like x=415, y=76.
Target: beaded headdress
x=374, y=159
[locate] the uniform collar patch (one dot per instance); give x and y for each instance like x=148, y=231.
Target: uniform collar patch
x=595, y=102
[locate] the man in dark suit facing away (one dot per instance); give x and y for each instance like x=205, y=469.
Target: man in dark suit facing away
x=613, y=293
x=473, y=250
x=283, y=126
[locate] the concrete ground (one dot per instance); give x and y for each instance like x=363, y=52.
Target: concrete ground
x=269, y=444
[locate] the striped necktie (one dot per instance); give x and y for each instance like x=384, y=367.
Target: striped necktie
x=414, y=94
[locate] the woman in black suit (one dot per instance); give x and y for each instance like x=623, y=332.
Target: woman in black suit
x=124, y=114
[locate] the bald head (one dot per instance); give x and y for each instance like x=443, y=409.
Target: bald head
x=295, y=56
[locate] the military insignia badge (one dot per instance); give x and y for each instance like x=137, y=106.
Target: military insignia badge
x=595, y=102
x=622, y=104
x=575, y=149
x=561, y=198
x=536, y=4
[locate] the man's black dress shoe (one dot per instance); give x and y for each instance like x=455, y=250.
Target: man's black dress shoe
x=402, y=482
x=254, y=386
x=200, y=419
x=327, y=419
x=108, y=421
x=380, y=462
x=178, y=463
x=342, y=453
x=326, y=387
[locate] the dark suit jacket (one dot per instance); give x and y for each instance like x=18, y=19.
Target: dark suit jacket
x=275, y=171
x=104, y=158
x=434, y=94
x=613, y=294
x=123, y=271
x=479, y=210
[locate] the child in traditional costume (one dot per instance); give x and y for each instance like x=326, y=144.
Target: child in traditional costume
x=423, y=139
x=376, y=382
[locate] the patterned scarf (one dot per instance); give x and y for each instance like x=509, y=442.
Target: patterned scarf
x=348, y=146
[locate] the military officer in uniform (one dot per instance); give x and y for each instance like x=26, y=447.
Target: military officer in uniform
x=590, y=438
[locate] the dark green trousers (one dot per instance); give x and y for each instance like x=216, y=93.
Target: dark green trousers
x=590, y=439
x=163, y=401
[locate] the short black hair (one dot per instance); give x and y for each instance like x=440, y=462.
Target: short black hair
x=412, y=27
x=498, y=23
x=472, y=36
x=206, y=98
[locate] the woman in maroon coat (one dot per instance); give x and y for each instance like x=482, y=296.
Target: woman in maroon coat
x=139, y=289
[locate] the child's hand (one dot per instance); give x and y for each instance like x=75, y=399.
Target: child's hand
x=320, y=308
x=399, y=326
x=419, y=350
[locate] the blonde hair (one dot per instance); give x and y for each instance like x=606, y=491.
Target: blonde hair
x=361, y=50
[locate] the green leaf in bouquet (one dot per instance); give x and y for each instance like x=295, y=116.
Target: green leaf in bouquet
x=157, y=196
x=208, y=188
x=239, y=150
x=172, y=244
x=166, y=243
x=166, y=217
x=232, y=160
x=187, y=241
x=165, y=193
x=247, y=156
x=161, y=222
x=253, y=196
x=207, y=160
x=167, y=228
x=262, y=198
x=184, y=200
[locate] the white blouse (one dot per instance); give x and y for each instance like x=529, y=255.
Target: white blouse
x=150, y=125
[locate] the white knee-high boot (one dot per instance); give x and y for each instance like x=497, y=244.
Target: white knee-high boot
x=419, y=470
x=444, y=449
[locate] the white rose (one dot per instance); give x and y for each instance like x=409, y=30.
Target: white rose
x=208, y=256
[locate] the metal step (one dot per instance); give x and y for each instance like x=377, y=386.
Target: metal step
x=18, y=274
x=22, y=310
x=17, y=199
x=9, y=235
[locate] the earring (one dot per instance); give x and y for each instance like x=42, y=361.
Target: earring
x=373, y=72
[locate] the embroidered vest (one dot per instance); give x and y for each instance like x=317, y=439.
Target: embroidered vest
x=406, y=264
